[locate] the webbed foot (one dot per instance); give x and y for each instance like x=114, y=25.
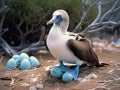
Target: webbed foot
x=65, y=72
x=71, y=74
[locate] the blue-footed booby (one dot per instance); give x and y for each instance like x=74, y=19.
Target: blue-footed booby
x=69, y=47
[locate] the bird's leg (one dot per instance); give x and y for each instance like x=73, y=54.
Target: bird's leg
x=71, y=74
x=74, y=72
x=58, y=71
x=61, y=63
x=65, y=72
x=63, y=67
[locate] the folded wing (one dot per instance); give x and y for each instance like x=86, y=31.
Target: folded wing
x=84, y=51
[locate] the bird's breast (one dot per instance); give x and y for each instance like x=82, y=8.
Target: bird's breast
x=58, y=48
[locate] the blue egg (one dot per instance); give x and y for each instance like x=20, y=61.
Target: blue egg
x=25, y=64
x=11, y=64
x=34, y=61
x=16, y=58
x=56, y=72
x=23, y=56
x=67, y=77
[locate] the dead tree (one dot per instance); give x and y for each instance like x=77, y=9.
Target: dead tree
x=108, y=18
x=108, y=15
x=24, y=45
x=5, y=46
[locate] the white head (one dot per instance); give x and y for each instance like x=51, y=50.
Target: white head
x=60, y=18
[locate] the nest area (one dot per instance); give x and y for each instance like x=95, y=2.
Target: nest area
x=39, y=79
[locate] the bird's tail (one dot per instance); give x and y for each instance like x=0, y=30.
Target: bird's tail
x=101, y=64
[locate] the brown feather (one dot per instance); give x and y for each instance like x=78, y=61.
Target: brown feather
x=83, y=50
x=45, y=41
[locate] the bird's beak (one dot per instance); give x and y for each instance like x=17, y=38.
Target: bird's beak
x=53, y=20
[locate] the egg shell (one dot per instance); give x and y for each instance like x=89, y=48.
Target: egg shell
x=11, y=64
x=25, y=64
x=56, y=72
x=67, y=77
x=34, y=61
x=23, y=56
x=16, y=58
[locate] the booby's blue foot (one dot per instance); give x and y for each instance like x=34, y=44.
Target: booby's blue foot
x=58, y=71
x=65, y=72
x=71, y=74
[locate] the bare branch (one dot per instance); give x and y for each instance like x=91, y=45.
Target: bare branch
x=42, y=34
x=100, y=28
x=84, y=15
x=99, y=14
x=33, y=49
x=38, y=45
x=115, y=10
x=83, y=8
x=40, y=42
x=109, y=11
x=20, y=23
x=29, y=28
x=4, y=9
x=7, y=48
x=96, y=25
x=4, y=31
x=99, y=23
x=106, y=2
x=87, y=1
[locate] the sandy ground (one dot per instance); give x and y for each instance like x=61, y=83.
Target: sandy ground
x=90, y=78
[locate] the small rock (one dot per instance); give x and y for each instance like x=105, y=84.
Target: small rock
x=33, y=88
x=24, y=84
x=39, y=86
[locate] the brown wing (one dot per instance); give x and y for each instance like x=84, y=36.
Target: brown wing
x=83, y=50
x=45, y=41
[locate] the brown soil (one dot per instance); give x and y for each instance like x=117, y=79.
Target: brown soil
x=90, y=78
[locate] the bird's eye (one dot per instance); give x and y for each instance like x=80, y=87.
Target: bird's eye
x=59, y=18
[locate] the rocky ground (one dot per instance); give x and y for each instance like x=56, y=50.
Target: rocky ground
x=104, y=78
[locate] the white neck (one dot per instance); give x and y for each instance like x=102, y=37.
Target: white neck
x=58, y=30
x=63, y=26
x=54, y=32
